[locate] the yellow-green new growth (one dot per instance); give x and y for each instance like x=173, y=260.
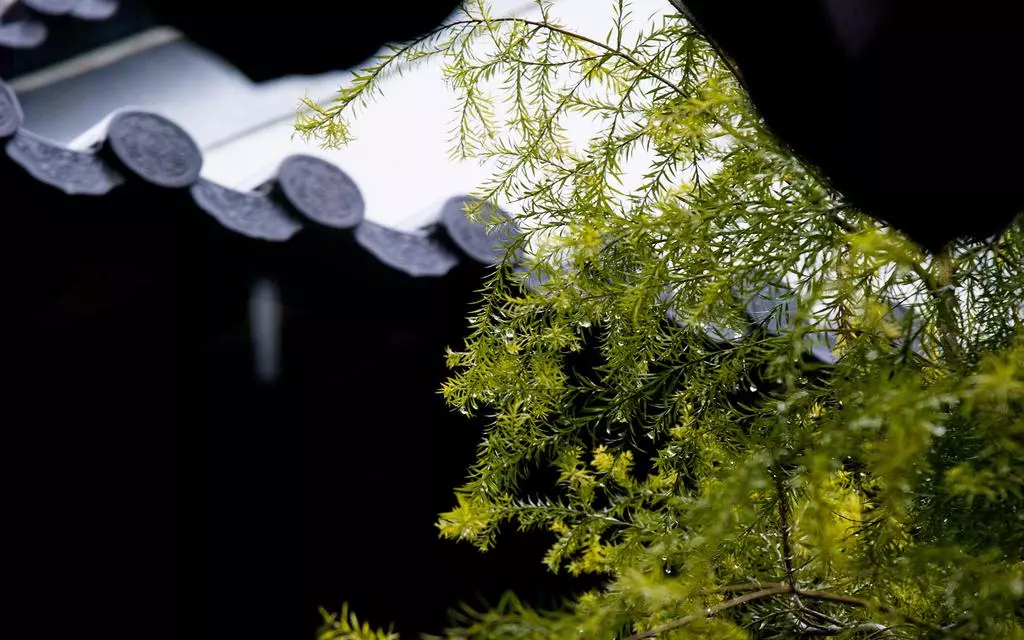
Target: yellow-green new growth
x=722, y=489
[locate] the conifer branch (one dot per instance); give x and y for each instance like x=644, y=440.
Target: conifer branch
x=310, y=124
x=671, y=206
x=938, y=289
x=617, y=52
x=945, y=299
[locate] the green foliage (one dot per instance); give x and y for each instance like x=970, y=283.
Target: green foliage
x=346, y=626
x=877, y=498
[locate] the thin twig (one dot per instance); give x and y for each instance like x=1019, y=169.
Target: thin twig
x=877, y=630
x=749, y=586
x=819, y=615
x=784, y=527
x=771, y=589
x=853, y=601
x=710, y=611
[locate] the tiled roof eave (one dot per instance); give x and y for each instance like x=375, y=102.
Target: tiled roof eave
x=23, y=22
x=309, y=191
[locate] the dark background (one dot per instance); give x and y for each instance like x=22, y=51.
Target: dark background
x=154, y=487
x=154, y=484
